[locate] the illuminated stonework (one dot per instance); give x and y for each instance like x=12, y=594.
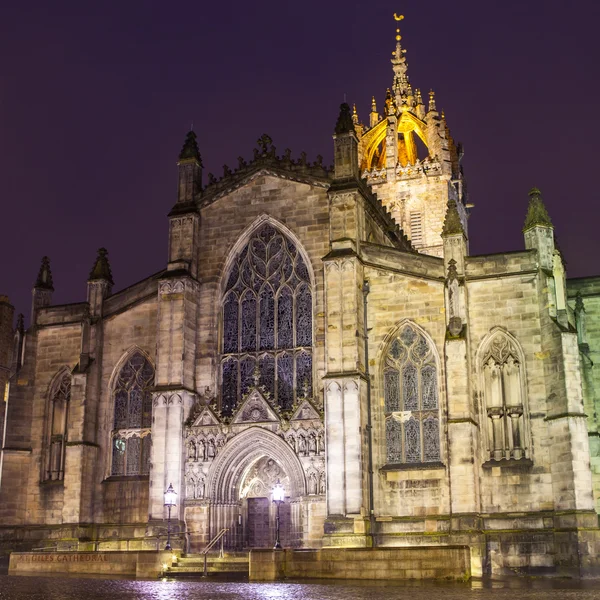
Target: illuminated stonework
x=402, y=392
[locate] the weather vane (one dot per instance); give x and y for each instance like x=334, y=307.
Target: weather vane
x=398, y=18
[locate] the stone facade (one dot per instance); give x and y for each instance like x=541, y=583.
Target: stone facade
x=325, y=330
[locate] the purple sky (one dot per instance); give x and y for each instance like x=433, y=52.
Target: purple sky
x=96, y=98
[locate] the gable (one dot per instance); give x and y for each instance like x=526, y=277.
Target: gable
x=255, y=409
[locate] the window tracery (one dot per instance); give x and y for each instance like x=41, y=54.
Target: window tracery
x=411, y=399
x=131, y=437
x=58, y=419
x=503, y=398
x=267, y=318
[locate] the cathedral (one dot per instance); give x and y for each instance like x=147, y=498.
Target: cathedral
x=326, y=330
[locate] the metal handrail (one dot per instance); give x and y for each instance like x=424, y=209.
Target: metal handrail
x=217, y=537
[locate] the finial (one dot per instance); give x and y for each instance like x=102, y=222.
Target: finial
x=452, y=223
x=354, y=115
x=190, y=148
x=44, y=278
x=536, y=211
x=101, y=269
x=344, y=123
x=264, y=141
x=419, y=97
x=432, y=106
x=373, y=105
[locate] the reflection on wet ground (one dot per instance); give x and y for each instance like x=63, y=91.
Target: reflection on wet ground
x=66, y=588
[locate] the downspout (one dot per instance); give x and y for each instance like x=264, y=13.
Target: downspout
x=366, y=290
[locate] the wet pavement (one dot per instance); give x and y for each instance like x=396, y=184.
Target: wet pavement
x=71, y=588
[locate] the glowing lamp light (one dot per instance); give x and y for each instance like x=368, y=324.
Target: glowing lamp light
x=278, y=492
x=170, y=496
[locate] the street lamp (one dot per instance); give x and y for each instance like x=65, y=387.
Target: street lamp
x=170, y=501
x=278, y=496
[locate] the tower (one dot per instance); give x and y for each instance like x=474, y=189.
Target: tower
x=409, y=158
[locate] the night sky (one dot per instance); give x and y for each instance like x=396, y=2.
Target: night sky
x=96, y=99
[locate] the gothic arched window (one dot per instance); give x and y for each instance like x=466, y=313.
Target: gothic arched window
x=132, y=422
x=502, y=381
x=57, y=428
x=412, y=421
x=267, y=321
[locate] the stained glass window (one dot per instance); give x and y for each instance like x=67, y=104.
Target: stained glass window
x=411, y=401
x=267, y=307
x=131, y=439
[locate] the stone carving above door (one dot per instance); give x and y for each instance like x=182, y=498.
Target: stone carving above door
x=255, y=409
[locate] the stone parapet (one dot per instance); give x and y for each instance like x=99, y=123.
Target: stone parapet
x=132, y=564
x=442, y=562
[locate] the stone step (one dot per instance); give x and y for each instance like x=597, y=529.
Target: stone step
x=215, y=568
x=199, y=555
x=188, y=562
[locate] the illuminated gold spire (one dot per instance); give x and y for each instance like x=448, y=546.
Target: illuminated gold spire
x=400, y=83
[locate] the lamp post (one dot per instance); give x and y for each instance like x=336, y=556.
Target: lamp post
x=170, y=501
x=278, y=496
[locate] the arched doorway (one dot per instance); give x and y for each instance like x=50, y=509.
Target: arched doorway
x=239, y=486
x=258, y=509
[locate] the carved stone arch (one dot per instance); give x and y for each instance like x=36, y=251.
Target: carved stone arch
x=396, y=329
x=489, y=338
x=141, y=432
x=412, y=434
x=244, y=238
x=227, y=471
x=57, y=378
x=123, y=360
x=495, y=418
x=55, y=427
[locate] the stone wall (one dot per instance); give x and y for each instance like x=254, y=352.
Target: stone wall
x=449, y=562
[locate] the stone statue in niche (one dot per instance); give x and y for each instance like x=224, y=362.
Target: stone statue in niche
x=312, y=484
x=301, y=445
x=200, y=489
x=291, y=442
x=321, y=442
x=201, y=450
x=190, y=488
x=192, y=451
x=210, y=453
x=312, y=444
x=322, y=483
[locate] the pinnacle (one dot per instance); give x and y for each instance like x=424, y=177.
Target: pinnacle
x=190, y=148
x=101, y=269
x=344, y=123
x=537, y=215
x=452, y=223
x=44, y=278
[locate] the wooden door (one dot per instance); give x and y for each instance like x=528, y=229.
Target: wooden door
x=259, y=533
